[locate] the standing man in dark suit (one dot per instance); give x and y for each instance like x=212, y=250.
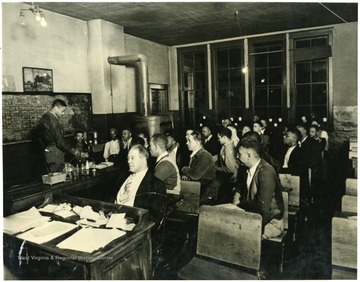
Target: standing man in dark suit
x=52, y=138
x=261, y=191
x=211, y=142
x=139, y=188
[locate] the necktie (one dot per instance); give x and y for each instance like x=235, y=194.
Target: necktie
x=248, y=179
x=124, y=197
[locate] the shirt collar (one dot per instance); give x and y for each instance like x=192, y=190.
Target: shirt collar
x=140, y=173
x=194, y=153
x=254, y=167
x=161, y=156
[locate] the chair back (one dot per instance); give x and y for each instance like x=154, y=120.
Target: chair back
x=191, y=192
x=351, y=186
x=229, y=235
x=292, y=182
x=285, y=196
x=349, y=204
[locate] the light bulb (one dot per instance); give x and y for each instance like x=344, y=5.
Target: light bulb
x=43, y=22
x=38, y=16
x=22, y=20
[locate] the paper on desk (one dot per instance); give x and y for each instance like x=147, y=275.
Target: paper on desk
x=90, y=239
x=47, y=232
x=230, y=206
x=23, y=221
x=354, y=217
x=117, y=220
x=58, y=210
x=104, y=165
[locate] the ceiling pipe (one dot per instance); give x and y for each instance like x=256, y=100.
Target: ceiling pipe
x=144, y=78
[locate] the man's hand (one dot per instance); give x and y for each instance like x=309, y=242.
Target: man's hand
x=184, y=177
x=236, y=199
x=84, y=155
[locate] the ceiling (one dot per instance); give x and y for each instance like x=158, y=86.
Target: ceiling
x=176, y=23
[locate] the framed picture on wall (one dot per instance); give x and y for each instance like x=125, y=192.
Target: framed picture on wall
x=37, y=80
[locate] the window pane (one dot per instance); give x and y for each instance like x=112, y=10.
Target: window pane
x=303, y=95
x=188, y=62
x=234, y=98
x=200, y=99
x=275, y=59
x=274, y=112
x=261, y=61
x=200, y=80
x=189, y=82
x=199, y=61
x=223, y=78
x=275, y=76
x=235, y=77
x=302, y=111
x=260, y=97
x=261, y=77
x=319, y=71
x=320, y=111
x=319, y=42
x=319, y=94
x=275, y=96
x=222, y=59
x=302, y=44
x=223, y=99
x=261, y=112
x=235, y=57
x=303, y=72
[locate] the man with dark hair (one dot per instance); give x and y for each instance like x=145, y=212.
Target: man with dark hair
x=112, y=147
x=227, y=157
x=291, y=157
x=261, y=191
x=201, y=167
x=258, y=127
x=52, y=138
x=165, y=168
x=211, y=143
x=139, y=188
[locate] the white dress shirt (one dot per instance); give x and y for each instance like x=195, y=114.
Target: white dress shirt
x=111, y=148
x=250, y=174
x=129, y=200
x=287, y=156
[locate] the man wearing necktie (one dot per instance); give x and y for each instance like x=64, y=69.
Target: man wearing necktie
x=139, y=188
x=262, y=193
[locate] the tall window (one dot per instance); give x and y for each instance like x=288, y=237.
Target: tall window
x=228, y=81
x=267, y=78
x=311, y=66
x=193, y=86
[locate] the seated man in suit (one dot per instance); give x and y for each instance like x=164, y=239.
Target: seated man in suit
x=139, y=188
x=176, y=151
x=291, y=157
x=165, y=168
x=258, y=127
x=202, y=166
x=227, y=157
x=261, y=191
x=211, y=143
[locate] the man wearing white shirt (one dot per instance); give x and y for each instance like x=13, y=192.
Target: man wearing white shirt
x=112, y=148
x=139, y=188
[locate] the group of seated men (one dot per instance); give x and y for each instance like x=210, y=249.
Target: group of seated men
x=231, y=169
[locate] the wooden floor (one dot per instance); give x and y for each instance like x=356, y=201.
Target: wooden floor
x=310, y=259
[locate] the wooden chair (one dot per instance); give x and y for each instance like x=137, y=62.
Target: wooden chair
x=291, y=183
x=191, y=201
x=228, y=246
x=351, y=187
x=281, y=240
x=349, y=204
x=344, y=248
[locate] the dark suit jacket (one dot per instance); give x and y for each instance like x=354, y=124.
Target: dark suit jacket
x=212, y=146
x=295, y=164
x=311, y=150
x=264, y=195
x=151, y=195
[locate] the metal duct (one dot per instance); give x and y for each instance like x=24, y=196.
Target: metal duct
x=143, y=70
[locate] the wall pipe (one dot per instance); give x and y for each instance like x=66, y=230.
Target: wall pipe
x=144, y=78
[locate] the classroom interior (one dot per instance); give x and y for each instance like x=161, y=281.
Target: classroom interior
x=180, y=65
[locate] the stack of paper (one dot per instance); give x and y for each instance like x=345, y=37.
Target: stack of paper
x=118, y=220
x=47, y=232
x=90, y=239
x=23, y=221
x=63, y=210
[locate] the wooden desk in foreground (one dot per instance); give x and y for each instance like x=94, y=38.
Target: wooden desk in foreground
x=125, y=258
x=19, y=198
